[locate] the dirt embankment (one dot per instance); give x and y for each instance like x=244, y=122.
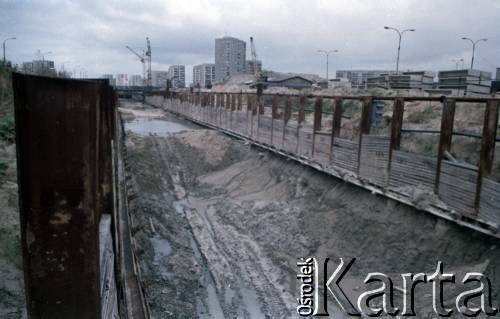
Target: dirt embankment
x=221, y=225
x=12, y=304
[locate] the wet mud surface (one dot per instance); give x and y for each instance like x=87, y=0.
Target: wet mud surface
x=220, y=225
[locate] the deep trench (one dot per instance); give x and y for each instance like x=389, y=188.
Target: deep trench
x=219, y=226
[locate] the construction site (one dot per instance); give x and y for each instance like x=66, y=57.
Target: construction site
x=251, y=193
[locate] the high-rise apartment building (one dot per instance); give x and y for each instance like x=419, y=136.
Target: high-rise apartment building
x=177, y=74
x=203, y=75
x=229, y=57
x=159, y=78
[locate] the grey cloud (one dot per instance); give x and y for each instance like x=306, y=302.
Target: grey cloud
x=287, y=33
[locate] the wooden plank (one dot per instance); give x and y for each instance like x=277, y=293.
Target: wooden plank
x=457, y=187
x=410, y=169
x=375, y=158
x=490, y=201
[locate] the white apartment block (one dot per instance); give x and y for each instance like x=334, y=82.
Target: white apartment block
x=203, y=75
x=177, y=74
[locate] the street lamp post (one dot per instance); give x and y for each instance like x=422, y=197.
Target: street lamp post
x=327, y=54
x=473, y=48
x=400, y=34
x=12, y=38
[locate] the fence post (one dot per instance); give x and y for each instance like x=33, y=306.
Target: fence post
x=396, y=126
x=286, y=118
x=445, y=137
x=301, y=118
x=233, y=107
x=274, y=109
x=260, y=110
x=364, y=125
x=336, y=123
x=487, y=148
x=318, y=114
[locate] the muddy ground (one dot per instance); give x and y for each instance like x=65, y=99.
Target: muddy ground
x=220, y=225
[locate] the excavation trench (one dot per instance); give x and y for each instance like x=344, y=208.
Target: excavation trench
x=219, y=226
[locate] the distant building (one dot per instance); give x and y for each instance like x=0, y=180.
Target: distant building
x=230, y=56
x=177, y=73
x=411, y=80
x=110, y=78
x=121, y=80
x=359, y=78
x=39, y=67
x=250, y=68
x=203, y=75
x=292, y=82
x=135, y=80
x=159, y=78
x=498, y=74
x=466, y=82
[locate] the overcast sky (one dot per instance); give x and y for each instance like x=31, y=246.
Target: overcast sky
x=288, y=33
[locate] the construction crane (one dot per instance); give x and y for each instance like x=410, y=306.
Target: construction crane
x=145, y=58
x=141, y=58
x=256, y=72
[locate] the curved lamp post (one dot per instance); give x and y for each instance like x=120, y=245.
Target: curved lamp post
x=3, y=45
x=400, y=34
x=473, y=48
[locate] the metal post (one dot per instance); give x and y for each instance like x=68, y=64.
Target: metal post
x=336, y=124
x=286, y=117
x=396, y=126
x=318, y=113
x=445, y=137
x=365, y=125
x=487, y=148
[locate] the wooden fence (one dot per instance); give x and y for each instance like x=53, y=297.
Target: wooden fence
x=308, y=128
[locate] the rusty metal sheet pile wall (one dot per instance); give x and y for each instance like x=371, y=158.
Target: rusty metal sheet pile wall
x=375, y=162
x=57, y=136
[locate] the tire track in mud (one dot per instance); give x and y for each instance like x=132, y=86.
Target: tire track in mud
x=243, y=287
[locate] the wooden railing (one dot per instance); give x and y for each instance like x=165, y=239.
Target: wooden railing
x=310, y=129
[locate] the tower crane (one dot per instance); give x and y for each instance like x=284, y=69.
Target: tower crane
x=257, y=76
x=141, y=58
x=145, y=58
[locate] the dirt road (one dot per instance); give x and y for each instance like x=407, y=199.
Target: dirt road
x=219, y=226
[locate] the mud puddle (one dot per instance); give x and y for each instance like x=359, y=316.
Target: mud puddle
x=146, y=126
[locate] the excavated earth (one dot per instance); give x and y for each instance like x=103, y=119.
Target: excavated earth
x=219, y=226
